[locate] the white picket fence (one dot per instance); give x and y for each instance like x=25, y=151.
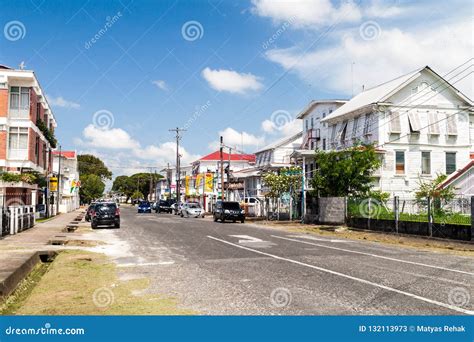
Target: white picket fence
x=14, y=219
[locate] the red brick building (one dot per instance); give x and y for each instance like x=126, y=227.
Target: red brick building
x=25, y=119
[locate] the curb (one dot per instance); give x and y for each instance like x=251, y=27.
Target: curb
x=10, y=283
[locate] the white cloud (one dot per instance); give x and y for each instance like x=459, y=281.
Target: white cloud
x=234, y=138
x=231, y=81
x=165, y=152
x=160, y=84
x=113, y=138
x=307, y=13
x=393, y=53
x=287, y=129
x=62, y=102
x=379, y=9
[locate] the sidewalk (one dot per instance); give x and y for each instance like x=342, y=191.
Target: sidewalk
x=21, y=252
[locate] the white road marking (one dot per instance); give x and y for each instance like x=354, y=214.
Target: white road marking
x=131, y=264
x=408, y=294
x=317, y=239
x=251, y=241
x=376, y=255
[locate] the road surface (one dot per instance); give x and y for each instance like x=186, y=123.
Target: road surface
x=244, y=269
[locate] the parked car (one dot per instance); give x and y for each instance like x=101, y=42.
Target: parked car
x=192, y=209
x=176, y=207
x=144, y=207
x=163, y=206
x=224, y=210
x=89, y=211
x=105, y=214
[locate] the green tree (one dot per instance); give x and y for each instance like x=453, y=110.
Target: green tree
x=432, y=190
x=91, y=165
x=287, y=180
x=346, y=172
x=92, y=187
x=141, y=182
x=137, y=195
x=124, y=184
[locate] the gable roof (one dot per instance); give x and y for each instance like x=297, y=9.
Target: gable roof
x=310, y=107
x=214, y=156
x=382, y=92
x=455, y=175
x=66, y=154
x=283, y=141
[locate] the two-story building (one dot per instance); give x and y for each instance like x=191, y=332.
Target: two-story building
x=419, y=122
x=26, y=120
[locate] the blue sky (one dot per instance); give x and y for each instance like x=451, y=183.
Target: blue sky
x=251, y=67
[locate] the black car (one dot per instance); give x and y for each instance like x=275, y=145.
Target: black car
x=224, y=210
x=89, y=211
x=105, y=214
x=163, y=206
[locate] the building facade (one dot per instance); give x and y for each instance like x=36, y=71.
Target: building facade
x=65, y=168
x=26, y=121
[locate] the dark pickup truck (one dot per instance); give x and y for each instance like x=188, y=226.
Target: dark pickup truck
x=163, y=206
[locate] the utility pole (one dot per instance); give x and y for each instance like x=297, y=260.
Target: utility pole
x=150, y=186
x=177, y=131
x=59, y=181
x=228, y=176
x=221, y=151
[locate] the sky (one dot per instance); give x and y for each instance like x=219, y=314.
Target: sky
x=120, y=74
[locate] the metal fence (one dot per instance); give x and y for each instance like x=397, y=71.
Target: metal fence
x=432, y=217
x=16, y=214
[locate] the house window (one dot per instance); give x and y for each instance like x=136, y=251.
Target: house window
x=37, y=142
x=324, y=144
x=395, y=125
x=333, y=133
x=342, y=133
x=451, y=125
x=19, y=102
x=450, y=162
x=306, y=124
x=18, y=138
x=425, y=163
x=399, y=162
x=324, y=114
x=433, y=128
x=354, y=127
x=312, y=123
x=414, y=122
x=311, y=168
x=367, y=123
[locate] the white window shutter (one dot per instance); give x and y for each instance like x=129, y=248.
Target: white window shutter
x=433, y=127
x=451, y=125
x=414, y=121
x=395, y=126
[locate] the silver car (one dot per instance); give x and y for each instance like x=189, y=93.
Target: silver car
x=192, y=209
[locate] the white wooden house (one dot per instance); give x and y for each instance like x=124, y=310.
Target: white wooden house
x=420, y=123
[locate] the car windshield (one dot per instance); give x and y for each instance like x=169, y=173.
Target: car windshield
x=106, y=207
x=193, y=205
x=144, y=204
x=231, y=205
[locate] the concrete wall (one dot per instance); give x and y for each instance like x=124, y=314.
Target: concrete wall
x=332, y=209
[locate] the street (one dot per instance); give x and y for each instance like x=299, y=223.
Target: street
x=245, y=269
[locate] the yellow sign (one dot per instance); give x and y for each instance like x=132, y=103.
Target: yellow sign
x=187, y=180
x=53, y=184
x=209, y=183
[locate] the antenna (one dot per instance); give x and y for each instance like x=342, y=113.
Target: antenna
x=22, y=65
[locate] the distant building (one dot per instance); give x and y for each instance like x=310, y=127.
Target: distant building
x=68, y=181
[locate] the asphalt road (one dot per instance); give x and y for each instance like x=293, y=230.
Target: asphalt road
x=236, y=268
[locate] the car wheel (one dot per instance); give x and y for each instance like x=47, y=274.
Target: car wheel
x=93, y=226
x=233, y=221
x=215, y=218
x=117, y=225
x=242, y=221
